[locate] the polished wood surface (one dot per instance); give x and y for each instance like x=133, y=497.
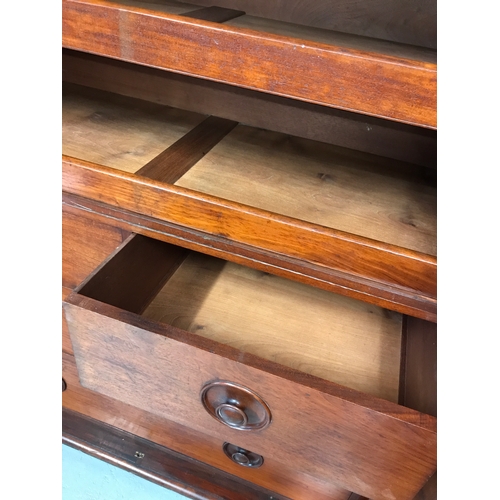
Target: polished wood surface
x=67, y=347
x=258, y=195
x=332, y=126
x=284, y=479
x=332, y=337
x=410, y=276
x=155, y=463
x=250, y=256
x=349, y=79
x=85, y=244
x=114, y=349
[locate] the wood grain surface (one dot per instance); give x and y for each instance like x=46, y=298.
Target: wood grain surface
x=286, y=480
x=141, y=376
x=361, y=132
x=373, y=292
x=396, y=88
x=376, y=261
x=420, y=368
x=382, y=454
x=177, y=159
x=67, y=347
x=155, y=463
x=119, y=132
x=359, y=194
x=132, y=275
x=85, y=244
x=320, y=333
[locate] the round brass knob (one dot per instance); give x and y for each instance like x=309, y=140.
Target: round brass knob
x=242, y=457
x=235, y=406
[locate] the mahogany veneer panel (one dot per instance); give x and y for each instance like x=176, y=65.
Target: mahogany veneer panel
x=397, y=88
x=333, y=337
x=286, y=480
x=333, y=187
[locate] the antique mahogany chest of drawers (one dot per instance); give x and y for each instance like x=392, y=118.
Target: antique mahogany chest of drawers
x=249, y=245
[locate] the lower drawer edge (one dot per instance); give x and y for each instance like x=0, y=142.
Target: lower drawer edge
x=289, y=483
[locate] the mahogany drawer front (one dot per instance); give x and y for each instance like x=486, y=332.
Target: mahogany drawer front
x=273, y=475
x=362, y=443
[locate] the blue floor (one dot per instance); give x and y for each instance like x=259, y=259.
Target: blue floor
x=87, y=478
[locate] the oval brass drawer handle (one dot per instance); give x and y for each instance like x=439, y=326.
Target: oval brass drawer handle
x=235, y=406
x=242, y=457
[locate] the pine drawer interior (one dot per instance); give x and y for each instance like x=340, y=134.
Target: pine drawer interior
x=335, y=338
x=362, y=194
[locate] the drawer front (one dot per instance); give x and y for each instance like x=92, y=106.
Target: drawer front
x=364, y=444
x=272, y=475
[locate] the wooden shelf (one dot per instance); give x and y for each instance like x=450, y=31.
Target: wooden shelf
x=333, y=187
x=344, y=211
x=367, y=80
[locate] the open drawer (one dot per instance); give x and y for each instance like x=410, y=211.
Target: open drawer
x=282, y=369
x=345, y=221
